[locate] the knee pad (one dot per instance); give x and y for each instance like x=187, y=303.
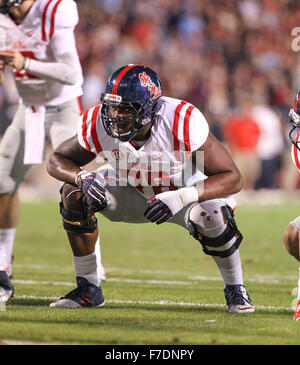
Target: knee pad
x=213, y=225
x=80, y=221
x=7, y=185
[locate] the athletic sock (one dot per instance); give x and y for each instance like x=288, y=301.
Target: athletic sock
x=7, y=237
x=100, y=268
x=86, y=267
x=230, y=268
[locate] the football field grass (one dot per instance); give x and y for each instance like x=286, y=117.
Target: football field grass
x=161, y=288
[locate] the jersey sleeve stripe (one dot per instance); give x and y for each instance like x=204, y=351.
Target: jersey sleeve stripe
x=119, y=78
x=53, y=18
x=44, y=21
x=176, y=124
x=297, y=105
x=186, y=128
x=84, y=130
x=94, y=133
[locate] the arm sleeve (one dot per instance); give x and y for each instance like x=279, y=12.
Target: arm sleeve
x=66, y=68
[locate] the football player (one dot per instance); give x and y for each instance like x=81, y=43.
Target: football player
x=150, y=141
x=42, y=54
x=291, y=235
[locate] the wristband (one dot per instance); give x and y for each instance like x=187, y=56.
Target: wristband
x=77, y=181
x=188, y=195
x=25, y=63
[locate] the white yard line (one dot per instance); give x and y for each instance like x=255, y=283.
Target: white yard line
x=116, y=280
x=272, y=278
x=161, y=303
x=11, y=342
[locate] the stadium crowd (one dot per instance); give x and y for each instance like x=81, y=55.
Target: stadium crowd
x=232, y=59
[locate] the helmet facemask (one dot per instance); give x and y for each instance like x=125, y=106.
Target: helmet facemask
x=130, y=102
x=124, y=120
x=295, y=121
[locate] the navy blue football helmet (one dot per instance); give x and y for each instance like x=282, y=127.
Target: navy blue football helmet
x=7, y=4
x=130, y=101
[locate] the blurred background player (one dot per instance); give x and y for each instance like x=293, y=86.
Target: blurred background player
x=41, y=52
x=136, y=126
x=291, y=236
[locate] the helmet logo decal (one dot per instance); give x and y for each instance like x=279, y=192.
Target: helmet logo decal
x=146, y=81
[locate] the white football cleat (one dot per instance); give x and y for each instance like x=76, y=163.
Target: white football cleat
x=86, y=295
x=64, y=303
x=6, y=287
x=238, y=299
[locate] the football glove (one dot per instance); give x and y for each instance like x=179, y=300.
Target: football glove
x=92, y=185
x=165, y=205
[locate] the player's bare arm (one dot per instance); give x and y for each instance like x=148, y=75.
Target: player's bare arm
x=65, y=161
x=224, y=177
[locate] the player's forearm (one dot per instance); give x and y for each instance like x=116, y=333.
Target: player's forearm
x=57, y=71
x=62, y=168
x=66, y=68
x=222, y=184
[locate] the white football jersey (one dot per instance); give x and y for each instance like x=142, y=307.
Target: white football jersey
x=33, y=38
x=164, y=161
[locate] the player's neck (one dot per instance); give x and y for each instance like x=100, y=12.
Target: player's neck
x=20, y=12
x=144, y=135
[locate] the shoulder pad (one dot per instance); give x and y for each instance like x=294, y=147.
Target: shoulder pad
x=189, y=128
x=57, y=15
x=88, y=129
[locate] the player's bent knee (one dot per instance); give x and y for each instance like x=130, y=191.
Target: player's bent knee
x=76, y=214
x=215, y=228
x=71, y=197
x=7, y=185
x=291, y=241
